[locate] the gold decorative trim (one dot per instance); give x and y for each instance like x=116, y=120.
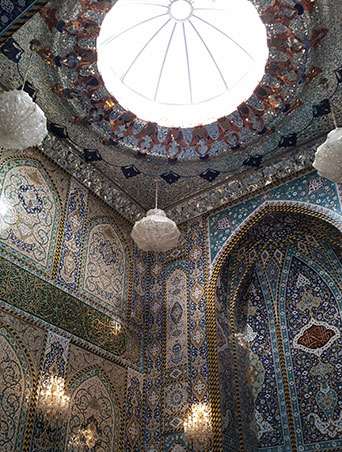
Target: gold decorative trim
x=34, y=395
x=22, y=20
x=214, y=384
x=60, y=236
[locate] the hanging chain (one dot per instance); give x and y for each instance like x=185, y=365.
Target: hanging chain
x=333, y=115
x=156, y=181
x=26, y=72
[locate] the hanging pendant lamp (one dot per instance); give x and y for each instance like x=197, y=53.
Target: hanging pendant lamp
x=22, y=122
x=328, y=157
x=155, y=232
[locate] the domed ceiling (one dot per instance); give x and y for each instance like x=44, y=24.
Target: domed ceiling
x=269, y=137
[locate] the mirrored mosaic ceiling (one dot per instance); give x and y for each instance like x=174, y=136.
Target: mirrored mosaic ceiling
x=271, y=137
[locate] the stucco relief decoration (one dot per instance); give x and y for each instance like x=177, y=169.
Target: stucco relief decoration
x=30, y=213
x=104, y=266
x=16, y=385
x=176, y=292
x=94, y=421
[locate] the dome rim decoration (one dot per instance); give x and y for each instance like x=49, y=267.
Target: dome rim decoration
x=254, y=119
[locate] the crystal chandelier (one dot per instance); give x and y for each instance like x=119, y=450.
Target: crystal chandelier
x=53, y=401
x=155, y=232
x=328, y=157
x=22, y=121
x=84, y=437
x=90, y=435
x=197, y=428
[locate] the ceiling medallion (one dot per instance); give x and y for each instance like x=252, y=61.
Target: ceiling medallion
x=181, y=63
x=81, y=84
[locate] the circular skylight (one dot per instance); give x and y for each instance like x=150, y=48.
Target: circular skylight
x=182, y=63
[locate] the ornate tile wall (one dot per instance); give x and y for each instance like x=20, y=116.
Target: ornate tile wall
x=30, y=213
x=103, y=392
x=17, y=383
x=133, y=434
x=317, y=193
x=153, y=365
x=176, y=369
x=72, y=240
x=166, y=307
x=74, y=265
x=94, y=403
x=140, y=277
x=45, y=436
x=282, y=282
x=198, y=347
x=105, y=266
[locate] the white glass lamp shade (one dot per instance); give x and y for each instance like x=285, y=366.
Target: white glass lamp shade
x=155, y=232
x=22, y=122
x=328, y=158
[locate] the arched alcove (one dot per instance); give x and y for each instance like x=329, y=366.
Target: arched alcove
x=105, y=265
x=30, y=213
x=278, y=322
x=94, y=406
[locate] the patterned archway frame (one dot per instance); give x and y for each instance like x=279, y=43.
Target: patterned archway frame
x=102, y=375
x=26, y=433
x=30, y=162
x=322, y=213
x=128, y=278
x=313, y=210
x=81, y=84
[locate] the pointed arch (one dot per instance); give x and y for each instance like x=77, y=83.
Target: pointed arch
x=17, y=381
x=246, y=250
x=105, y=265
x=94, y=405
x=268, y=207
x=31, y=213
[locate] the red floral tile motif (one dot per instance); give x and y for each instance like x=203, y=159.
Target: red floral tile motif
x=316, y=337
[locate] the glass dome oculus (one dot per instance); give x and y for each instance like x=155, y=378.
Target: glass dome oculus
x=182, y=63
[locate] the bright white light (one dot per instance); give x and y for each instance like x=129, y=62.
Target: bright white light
x=182, y=62
x=4, y=208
